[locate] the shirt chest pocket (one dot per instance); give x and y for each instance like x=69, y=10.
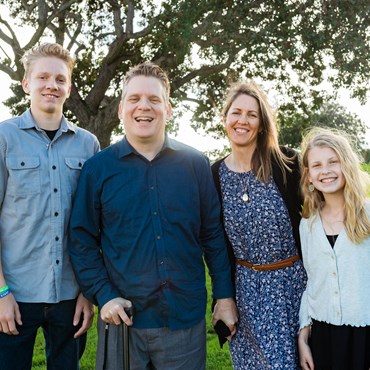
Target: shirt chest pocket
x=24, y=175
x=74, y=166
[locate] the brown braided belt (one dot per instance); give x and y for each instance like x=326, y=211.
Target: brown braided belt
x=269, y=266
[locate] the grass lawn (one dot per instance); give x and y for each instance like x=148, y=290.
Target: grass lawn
x=217, y=359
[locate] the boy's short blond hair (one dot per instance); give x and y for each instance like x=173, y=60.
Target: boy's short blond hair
x=46, y=50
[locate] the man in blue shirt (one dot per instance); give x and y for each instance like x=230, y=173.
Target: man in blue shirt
x=41, y=156
x=145, y=214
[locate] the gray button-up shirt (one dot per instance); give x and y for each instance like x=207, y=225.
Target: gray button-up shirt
x=38, y=178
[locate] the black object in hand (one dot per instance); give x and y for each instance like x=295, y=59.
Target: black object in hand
x=222, y=331
x=129, y=311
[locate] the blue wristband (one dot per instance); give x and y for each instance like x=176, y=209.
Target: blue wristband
x=4, y=294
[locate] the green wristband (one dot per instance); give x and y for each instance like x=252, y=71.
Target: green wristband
x=5, y=288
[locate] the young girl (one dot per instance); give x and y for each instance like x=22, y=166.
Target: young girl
x=335, y=229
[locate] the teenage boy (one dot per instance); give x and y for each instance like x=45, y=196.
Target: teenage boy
x=41, y=156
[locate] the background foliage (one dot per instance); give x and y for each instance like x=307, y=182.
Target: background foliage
x=203, y=45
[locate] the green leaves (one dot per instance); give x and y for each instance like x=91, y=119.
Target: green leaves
x=203, y=45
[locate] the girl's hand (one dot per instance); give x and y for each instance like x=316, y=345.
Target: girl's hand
x=305, y=354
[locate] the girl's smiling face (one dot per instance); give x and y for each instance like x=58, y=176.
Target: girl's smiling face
x=324, y=170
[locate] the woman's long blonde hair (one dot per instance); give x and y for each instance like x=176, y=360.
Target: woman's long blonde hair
x=356, y=222
x=267, y=139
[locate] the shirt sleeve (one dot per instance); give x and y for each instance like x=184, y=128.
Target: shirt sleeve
x=84, y=241
x=3, y=173
x=212, y=235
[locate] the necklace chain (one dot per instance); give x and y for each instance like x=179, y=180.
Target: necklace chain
x=245, y=196
x=331, y=225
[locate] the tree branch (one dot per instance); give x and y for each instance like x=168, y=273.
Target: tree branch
x=117, y=21
x=29, y=8
x=6, y=69
x=12, y=41
x=42, y=12
x=59, y=10
x=130, y=17
x=46, y=22
x=17, y=50
x=204, y=71
x=116, y=54
x=76, y=33
x=75, y=104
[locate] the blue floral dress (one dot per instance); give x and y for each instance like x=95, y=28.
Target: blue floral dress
x=260, y=232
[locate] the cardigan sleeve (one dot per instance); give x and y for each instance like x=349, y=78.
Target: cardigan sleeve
x=304, y=317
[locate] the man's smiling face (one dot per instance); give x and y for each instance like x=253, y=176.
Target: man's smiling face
x=144, y=110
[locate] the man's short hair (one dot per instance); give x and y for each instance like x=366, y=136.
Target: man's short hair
x=46, y=50
x=148, y=69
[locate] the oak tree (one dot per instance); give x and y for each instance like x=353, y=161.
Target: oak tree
x=202, y=44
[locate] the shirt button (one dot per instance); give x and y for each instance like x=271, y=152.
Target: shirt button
x=55, y=190
x=158, y=237
x=334, y=274
x=152, y=188
x=57, y=262
x=155, y=213
x=22, y=164
x=79, y=164
x=57, y=238
x=54, y=167
x=56, y=214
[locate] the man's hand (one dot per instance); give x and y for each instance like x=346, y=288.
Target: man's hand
x=305, y=354
x=85, y=310
x=225, y=310
x=9, y=315
x=113, y=312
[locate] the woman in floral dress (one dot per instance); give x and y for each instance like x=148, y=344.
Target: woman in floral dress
x=258, y=184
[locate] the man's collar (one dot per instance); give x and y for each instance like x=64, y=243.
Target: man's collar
x=125, y=148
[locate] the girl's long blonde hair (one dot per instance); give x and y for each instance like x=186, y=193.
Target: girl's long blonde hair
x=356, y=222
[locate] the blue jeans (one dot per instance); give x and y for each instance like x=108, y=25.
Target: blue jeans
x=62, y=350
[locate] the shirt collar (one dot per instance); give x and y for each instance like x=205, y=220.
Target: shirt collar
x=125, y=148
x=27, y=121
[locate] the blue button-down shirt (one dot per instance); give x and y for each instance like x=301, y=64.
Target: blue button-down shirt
x=153, y=221
x=38, y=178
